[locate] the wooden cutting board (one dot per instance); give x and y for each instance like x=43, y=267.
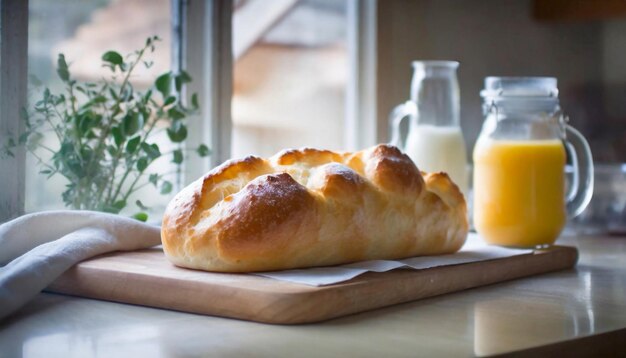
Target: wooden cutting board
x=146, y=278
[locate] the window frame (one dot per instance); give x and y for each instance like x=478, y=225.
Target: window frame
x=361, y=119
x=206, y=40
x=13, y=75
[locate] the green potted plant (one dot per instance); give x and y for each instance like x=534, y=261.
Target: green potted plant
x=105, y=132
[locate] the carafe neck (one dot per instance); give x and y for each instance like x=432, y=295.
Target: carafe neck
x=435, y=92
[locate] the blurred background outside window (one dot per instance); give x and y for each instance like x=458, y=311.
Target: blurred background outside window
x=290, y=75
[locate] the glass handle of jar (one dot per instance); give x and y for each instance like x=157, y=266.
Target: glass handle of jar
x=400, y=112
x=581, y=189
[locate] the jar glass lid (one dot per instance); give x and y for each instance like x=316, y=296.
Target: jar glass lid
x=520, y=87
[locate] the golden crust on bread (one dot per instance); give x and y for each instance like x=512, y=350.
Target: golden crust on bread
x=309, y=207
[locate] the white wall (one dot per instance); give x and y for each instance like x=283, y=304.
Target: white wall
x=614, y=66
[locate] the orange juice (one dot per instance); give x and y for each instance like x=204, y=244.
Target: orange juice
x=519, y=191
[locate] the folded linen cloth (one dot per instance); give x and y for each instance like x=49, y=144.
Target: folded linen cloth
x=36, y=249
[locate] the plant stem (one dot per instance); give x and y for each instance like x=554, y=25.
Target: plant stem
x=75, y=121
x=46, y=148
x=132, y=185
x=113, y=171
x=54, y=128
x=105, y=132
x=133, y=163
x=40, y=161
x=148, y=183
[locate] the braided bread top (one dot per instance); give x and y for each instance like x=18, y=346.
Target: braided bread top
x=310, y=207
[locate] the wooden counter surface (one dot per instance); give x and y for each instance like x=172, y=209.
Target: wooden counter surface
x=575, y=312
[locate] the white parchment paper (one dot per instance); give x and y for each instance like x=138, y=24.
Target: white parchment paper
x=474, y=250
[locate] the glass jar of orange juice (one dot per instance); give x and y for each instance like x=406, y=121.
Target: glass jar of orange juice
x=520, y=197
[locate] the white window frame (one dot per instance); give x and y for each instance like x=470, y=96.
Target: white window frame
x=203, y=29
x=13, y=74
x=361, y=126
x=207, y=55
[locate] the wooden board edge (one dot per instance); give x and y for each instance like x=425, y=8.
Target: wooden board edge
x=87, y=282
x=417, y=284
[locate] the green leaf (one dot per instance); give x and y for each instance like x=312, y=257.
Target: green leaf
x=99, y=99
x=175, y=114
x=111, y=150
x=118, y=136
x=120, y=204
x=203, y=150
x=34, y=81
x=178, y=156
x=153, y=178
x=140, y=205
x=133, y=144
x=62, y=69
x=65, y=150
x=152, y=150
x=133, y=122
x=113, y=94
x=86, y=153
x=194, y=101
x=163, y=84
x=128, y=92
x=85, y=123
x=142, y=164
x=113, y=58
x=143, y=217
x=90, y=135
x=169, y=100
x=166, y=187
x=7, y=152
x=146, y=97
x=33, y=141
x=115, y=208
x=60, y=99
x=23, y=138
x=24, y=116
x=182, y=78
x=177, y=132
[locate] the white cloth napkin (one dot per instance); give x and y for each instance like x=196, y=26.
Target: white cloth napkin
x=35, y=249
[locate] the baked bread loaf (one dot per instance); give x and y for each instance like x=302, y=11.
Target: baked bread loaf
x=308, y=207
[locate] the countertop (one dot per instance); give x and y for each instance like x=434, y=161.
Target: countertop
x=580, y=311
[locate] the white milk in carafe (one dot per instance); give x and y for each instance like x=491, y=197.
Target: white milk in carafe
x=439, y=149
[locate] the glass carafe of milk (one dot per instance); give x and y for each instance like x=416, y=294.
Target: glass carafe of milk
x=434, y=141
